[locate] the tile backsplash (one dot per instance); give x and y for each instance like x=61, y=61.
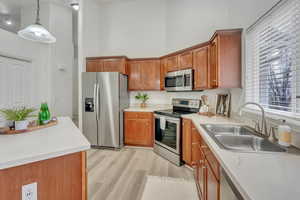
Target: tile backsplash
x=163, y=97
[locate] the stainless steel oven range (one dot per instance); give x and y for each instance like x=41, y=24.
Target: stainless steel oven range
x=167, y=128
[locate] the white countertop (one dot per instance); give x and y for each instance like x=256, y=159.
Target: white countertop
x=258, y=176
x=148, y=108
x=64, y=138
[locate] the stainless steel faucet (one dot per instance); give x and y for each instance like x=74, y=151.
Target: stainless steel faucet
x=263, y=127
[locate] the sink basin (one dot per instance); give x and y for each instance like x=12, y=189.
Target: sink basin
x=240, y=138
x=219, y=129
x=247, y=143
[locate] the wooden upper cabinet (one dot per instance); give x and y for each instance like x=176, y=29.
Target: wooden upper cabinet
x=171, y=63
x=134, y=76
x=145, y=74
x=115, y=65
x=163, y=72
x=185, y=60
x=107, y=64
x=201, y=67
x=94, y=66
x=225, y=59
x=213, y=69
x=150, y=75
x=216, y=64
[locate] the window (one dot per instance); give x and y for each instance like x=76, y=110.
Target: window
x=272, y=76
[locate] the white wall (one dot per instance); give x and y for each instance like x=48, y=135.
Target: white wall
x=13, y=45
x=57, y=18
x=194, y=21
x=134, y=28
x=50, y=84
x=142, y=28
x=62, y=60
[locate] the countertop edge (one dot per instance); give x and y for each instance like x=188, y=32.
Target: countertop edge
x=223, y=164
x=43, y=157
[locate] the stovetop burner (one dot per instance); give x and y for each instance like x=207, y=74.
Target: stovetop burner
x=173, y=113
x=181, y=107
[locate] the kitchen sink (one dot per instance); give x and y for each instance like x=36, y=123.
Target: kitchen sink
x=240, y=138
x=219, y=129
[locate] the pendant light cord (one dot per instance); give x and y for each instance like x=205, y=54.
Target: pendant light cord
x=38, y=12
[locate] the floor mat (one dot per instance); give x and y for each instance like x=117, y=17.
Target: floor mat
x=166, y=188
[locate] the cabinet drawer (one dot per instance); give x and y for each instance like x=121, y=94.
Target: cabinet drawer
x=211, y=159
x=144, y=115
x=138, y=115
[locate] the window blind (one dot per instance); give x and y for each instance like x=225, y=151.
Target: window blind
x=272, y=76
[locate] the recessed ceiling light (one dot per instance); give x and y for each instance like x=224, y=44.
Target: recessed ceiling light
x=75, y=6
x=8, y=22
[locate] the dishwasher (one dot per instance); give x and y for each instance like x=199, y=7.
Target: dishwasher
x=227, y=189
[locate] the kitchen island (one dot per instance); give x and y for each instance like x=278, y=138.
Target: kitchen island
x=53, y=157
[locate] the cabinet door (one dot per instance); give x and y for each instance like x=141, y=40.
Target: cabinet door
x=150, y=75
x=172, y=63
x=138, y=129
x=94, y=66
x=200, y=65
x=201, y=177
x=187, y=141
x=138, y=132
x=163, y=72
x=185, y=60
x=196, y=144
x=134, y=78
x=212, y=185
x=213, y=68
x=114, y=65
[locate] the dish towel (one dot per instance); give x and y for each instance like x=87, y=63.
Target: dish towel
x=162, y=123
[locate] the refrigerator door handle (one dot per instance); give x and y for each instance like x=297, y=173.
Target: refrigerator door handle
x=97, y=102
x=95, y=96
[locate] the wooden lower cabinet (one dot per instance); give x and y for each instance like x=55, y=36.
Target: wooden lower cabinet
x=187, y=141
x=212, y=184
x=206, y=167
x=61, y=178
x=138, y=129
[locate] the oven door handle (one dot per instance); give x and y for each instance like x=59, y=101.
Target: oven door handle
x=170, y=119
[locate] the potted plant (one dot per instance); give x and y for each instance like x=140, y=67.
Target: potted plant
x=142, y=97
x=19, y=116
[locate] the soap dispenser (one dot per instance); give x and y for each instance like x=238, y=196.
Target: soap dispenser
x=284, y=134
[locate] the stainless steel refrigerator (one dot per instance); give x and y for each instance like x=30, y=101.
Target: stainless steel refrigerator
x=105, y=97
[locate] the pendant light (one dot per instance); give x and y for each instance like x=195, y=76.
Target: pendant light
x=36, y=32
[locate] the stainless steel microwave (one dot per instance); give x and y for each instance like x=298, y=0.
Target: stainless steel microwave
x=179, y=80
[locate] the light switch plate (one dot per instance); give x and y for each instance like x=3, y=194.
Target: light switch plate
x=29, y=192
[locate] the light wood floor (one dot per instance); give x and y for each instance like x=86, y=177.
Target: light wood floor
x=121, y=175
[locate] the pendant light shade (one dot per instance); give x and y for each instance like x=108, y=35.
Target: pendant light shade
x=36, y=32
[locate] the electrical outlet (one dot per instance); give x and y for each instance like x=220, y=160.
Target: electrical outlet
x=29, y=192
